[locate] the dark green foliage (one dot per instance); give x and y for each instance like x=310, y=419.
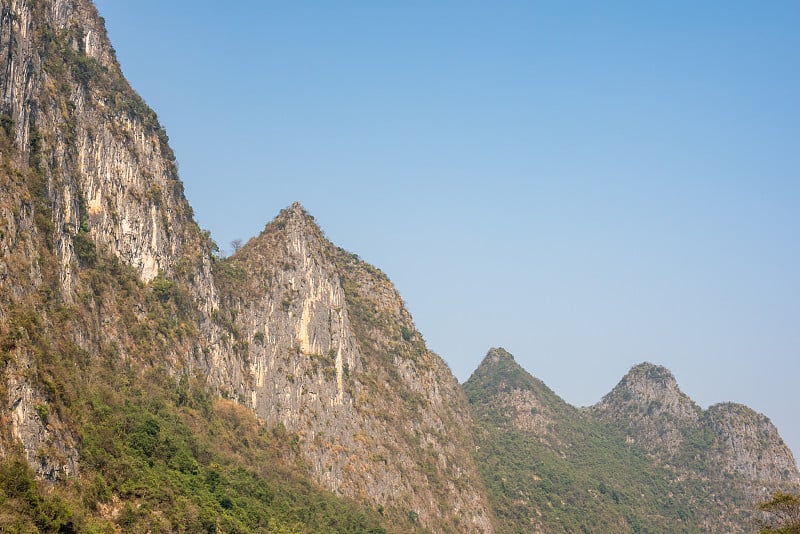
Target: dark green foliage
x=85, y=69
x=25, y=505
x=84, y=248
x=43, y=412
x=172, y=453
x=7, y=124
x=406, y=333
x=781, y=514
x=164, y=288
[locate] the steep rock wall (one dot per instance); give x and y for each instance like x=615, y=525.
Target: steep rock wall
x=749, y=445
x=86, y=171
x=104, y=161
x=334, y=356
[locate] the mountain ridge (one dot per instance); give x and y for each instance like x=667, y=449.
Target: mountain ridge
x=644, y=457
x=152, y=383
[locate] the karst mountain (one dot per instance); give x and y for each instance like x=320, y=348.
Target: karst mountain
x=150, y=385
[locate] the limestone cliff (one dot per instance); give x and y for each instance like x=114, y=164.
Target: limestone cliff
x=87, y=173
x=748, y=445
x=333, y=355
x=102, y=159
x=102, y=262
x=118, y=326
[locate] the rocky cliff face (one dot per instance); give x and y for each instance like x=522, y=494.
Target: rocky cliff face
x=748, y=445
x=503, y=391
x=105, y=167
x=87, y=173
x=653, y=408
x=645, y=458
x=105, y=277
x=727, y=438
x=310, y=338
x=332, y=354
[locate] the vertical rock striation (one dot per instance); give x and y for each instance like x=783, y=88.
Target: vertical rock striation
x=86, y=172
x=104, y=163
x=101, y=261
x=333, y=355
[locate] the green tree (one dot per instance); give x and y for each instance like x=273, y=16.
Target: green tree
x=781, y=514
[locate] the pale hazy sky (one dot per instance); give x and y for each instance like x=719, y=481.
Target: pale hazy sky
x=587, y=184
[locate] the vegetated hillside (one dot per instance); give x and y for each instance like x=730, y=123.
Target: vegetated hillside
x=148, y=385
x=735, y=452
x=115, y=348
x=550, y=467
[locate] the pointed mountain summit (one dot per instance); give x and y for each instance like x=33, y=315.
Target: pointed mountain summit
x=160, y=388
x=648, y=404
x=649, y=456
x=503, y=391
x=731, y=439
x=329, y=351
x=564, y=470
x=648, y=391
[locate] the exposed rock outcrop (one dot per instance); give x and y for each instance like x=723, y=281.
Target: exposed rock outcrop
x=103, y=267
x=729, y=438
x=655, y=411
x=665, y=462
x=105, y=166
x=86, y=169
x=333, y=355
x=748, y=445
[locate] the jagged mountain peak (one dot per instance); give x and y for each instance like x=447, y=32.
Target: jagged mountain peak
x=297, y=215
x=652, y=409
x=497, y=355
x=652, y=371
x=293, y=224
x=317, y=343
x=653, y=389
x=503, y=391
x=332, y=354
x=500, y=373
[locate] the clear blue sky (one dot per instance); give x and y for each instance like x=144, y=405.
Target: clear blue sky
x=587, y=184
